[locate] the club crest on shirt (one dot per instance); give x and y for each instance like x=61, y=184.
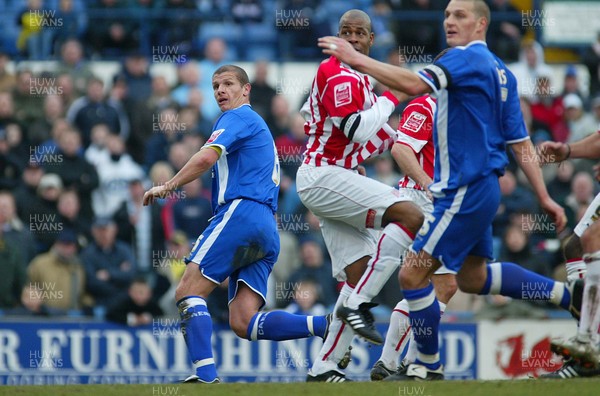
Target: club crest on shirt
x=215, y=135
x=414, y=122
x=342, y=94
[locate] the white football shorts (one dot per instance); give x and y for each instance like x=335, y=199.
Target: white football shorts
x=350, y=208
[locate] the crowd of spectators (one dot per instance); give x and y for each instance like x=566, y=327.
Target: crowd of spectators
x=275, y=29
x=77, y=154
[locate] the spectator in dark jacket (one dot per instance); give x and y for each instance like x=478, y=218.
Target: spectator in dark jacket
x=315, y=268
x=9, y=164
x=136, y=308
x=75, y=171
x=12, y=274
x=13, y=228
x=94, y=109
x=109, y=264
x=191, y=214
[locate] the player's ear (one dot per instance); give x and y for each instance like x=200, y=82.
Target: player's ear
x=247, y=88
x=483, y=23
x=371, y=39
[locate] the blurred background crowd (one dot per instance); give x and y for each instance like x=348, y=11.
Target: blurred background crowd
x=78, y=150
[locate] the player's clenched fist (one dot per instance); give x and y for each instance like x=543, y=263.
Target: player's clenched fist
x=156, y=192
x=554, y=152
x=339, y=48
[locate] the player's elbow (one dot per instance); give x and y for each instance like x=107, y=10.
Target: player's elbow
x=418, y=88
x=415, y=86
x=206, y=158
x=397, y=151
x=400, y=152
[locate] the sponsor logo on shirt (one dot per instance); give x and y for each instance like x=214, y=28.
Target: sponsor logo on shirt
x=215, y=135
x=343, y=94
x=414, y=122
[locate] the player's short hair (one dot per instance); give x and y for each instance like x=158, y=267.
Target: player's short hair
x=481, y=9
x=355, y=14
x=240, y=73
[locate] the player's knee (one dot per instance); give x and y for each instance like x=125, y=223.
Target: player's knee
x=572, y=248
x=590, y=240
x=404, y=280
x=417, y=219
x=410, y=280
x=181, y=291
x=406, y=213
x=446, y=289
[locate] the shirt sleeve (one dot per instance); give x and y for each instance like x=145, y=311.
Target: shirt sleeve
x=229, y=133
x=416, y=124
x=513, y=125
x=450, y=69
x=344, y=100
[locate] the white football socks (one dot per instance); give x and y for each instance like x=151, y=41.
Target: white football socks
x=590, y=307
x=392, y=244
x=338, y=340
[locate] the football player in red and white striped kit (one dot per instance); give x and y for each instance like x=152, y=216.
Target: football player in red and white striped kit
x=415, y=154
x=582, y=250
x=346, y=124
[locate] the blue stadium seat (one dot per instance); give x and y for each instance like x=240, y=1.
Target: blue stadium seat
x=256, y=52
x=228, y=31
x=335, y=9
x=9, y=31
x=260, y=33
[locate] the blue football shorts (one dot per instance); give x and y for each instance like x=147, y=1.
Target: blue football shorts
x=242, y=243
x=461, y=224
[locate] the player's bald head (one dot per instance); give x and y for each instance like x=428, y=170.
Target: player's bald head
x=355, y=15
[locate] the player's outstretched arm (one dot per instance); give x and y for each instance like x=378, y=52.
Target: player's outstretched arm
x=200, y=162
x=588, y=147
x=529, y=162
x=393, y=76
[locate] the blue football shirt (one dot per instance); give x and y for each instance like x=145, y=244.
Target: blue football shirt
x=478, y=113
x=248, y=167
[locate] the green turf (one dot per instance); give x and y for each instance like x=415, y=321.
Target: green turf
x=579, y=387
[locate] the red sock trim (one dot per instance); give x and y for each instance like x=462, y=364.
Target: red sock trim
x=406, y=230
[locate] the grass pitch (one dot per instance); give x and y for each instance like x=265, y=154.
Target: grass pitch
x=579, y=387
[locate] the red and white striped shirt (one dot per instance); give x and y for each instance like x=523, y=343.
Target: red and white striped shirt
x=416, y=131
x=338, y=91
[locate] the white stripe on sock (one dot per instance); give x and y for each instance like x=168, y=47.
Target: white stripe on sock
x=422, y=303
x=428, y=359
x=558, y=291
x=496, y=273
x=309, y=323
x=254, y=332
x=203, y=362
x=194, y=301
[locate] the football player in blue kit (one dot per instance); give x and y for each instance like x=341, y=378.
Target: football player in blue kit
x=478, y=114
x=241, y=241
